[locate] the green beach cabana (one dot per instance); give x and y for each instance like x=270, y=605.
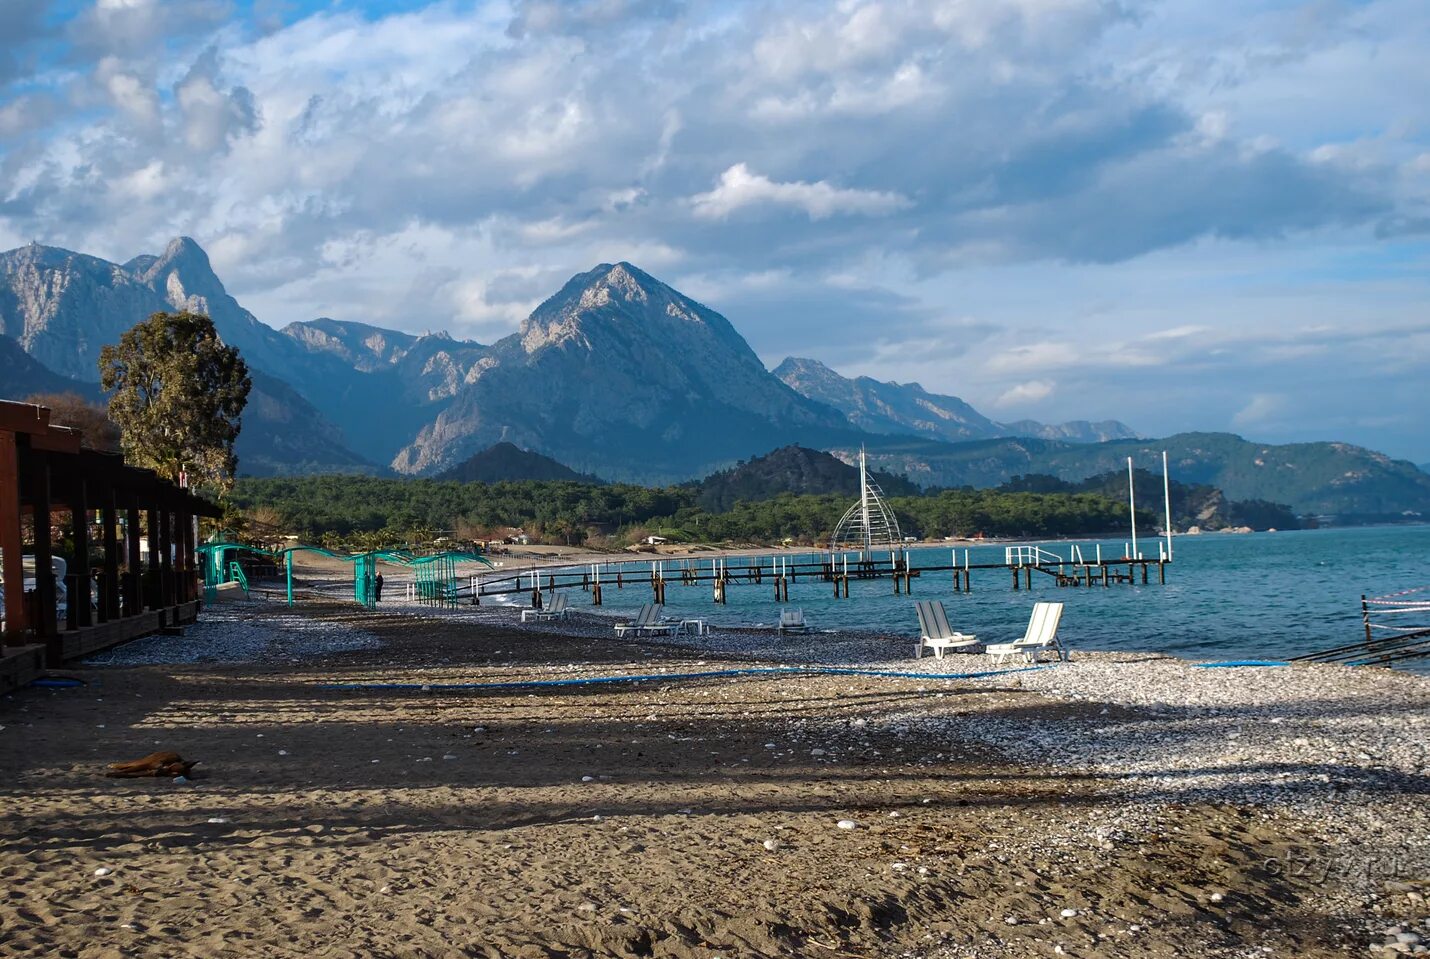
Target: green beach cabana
x=219, y=562
x=436, y=574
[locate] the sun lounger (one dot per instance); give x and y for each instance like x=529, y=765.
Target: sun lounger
x=557, y=610
x=792, y=621
x=648, y=620
x=935, y=633
x=1042, y=634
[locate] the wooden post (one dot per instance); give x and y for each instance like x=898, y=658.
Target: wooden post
x=109, y=596
x=10, y=549
x=1015, y=578
x=151, y=570
x=79, y=532
x=166, y=558
x=1365, y=616
x=46, y=627
x=1028, y=572
x=133, y=589
x=1104, y=576
x=1162, y=573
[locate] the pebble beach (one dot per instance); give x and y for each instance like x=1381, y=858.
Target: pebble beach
x=415, y=782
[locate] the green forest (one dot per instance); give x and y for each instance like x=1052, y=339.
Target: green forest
x=364, y=511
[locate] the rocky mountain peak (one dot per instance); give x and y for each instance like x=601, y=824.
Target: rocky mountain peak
x=621, y=306
x=182, y=274
x=802, y=373
x=621, y=282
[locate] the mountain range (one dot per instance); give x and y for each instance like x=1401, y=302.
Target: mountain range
x=898, y=409
x=616, y=375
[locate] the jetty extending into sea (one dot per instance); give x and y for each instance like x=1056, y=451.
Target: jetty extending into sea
x=1023, y=565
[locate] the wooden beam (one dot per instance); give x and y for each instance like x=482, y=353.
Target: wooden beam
x=23, y=417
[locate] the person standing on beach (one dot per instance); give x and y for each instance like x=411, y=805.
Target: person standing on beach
x=377, y=589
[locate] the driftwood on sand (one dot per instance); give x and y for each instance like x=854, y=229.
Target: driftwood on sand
x=154, y=764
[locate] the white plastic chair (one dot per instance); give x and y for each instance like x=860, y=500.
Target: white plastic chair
x=935, y=633
x=557, y=610
x=1042, y=634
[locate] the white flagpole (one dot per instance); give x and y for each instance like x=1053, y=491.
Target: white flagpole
x=1167, y=493
x=1132, y=507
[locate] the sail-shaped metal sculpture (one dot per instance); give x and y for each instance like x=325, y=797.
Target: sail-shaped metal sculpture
x=870, y=523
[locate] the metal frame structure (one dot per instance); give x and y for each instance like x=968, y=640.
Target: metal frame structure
x=870, y=523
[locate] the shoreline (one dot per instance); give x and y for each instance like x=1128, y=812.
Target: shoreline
x=1112, y=806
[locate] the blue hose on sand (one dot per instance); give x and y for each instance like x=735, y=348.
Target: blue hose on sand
x=1241, y=662
x=669, y=677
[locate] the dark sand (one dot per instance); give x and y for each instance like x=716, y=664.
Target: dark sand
x=460, y=823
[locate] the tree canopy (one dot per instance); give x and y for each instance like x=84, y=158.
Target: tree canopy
x=177, y=395
x=97, y=431
x=356, y=510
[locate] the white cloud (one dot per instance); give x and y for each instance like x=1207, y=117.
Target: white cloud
x=1114, y=196
x=739, y=188
x=1259, y=410
x=1023, y=394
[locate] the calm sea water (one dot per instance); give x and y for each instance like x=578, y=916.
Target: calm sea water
x=1259, y=595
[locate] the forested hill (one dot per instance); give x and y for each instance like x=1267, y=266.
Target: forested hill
x=1336, y=479
x=505, y=462
x=789, y=470
x=1194, y=504
x=371, y=512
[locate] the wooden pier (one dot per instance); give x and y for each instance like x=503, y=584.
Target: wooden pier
x=1021, y=569
x=1397, y=629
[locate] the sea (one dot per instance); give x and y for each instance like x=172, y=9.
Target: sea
x=1228, y=596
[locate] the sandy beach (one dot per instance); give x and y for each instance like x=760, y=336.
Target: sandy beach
x=365, y=790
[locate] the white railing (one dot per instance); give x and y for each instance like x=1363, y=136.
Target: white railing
x=1030, y=556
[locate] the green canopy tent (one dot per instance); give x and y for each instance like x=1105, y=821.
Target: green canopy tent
x=219, y=562
x=436, y=574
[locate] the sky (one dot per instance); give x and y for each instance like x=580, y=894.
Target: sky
x=1186, y=215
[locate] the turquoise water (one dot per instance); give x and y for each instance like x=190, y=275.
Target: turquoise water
x=1258, y=595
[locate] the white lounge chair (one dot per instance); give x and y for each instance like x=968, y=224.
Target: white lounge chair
x=648, y=620
x=557, y=610
x=1042, y=634
x=792, y=621
x=935, y=633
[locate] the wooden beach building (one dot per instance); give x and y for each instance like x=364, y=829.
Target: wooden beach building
x=106, y=508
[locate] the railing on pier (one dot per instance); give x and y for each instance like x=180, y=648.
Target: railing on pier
x=1397, y=629
x=838, y=569
x=1028, y=555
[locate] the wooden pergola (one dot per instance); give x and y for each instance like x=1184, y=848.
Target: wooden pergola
x=43, y=469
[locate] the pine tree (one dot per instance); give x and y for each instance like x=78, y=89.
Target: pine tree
x=177, y=397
